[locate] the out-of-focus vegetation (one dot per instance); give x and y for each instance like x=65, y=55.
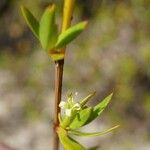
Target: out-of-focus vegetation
x=113, y=54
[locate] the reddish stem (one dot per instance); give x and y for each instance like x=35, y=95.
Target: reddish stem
x=58, y=92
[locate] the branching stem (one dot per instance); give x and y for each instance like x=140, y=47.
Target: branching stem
x=67, y=17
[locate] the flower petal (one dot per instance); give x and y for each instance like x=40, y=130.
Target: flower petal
x=62, y=104
x=68, y=112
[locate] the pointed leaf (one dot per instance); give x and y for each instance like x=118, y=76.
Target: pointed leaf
x=78, y=133
x=68, y=142
x=66, y=121
x=98, y=109
x=86, y=99
x=31, y=21
x=102, y=105
x=70, y=34
x=48, y=28
x=81, y=118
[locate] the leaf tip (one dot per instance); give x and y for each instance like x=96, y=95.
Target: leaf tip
x=117, y=126
x=51, y=7
x=84, y=24
x=23, y=9
x=111, y=95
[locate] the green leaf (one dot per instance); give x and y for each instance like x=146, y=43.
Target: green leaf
x=31, y=21
x=102, y=105
x=68, y=142
x=48, y=28
x=98, y=109
x=65, y=122
x=81, y=118
x=86, y=99
x=70, y=34
x=78, y=133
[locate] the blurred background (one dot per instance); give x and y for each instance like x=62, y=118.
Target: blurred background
x=112, y=55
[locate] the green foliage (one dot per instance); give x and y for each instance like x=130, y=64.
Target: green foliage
x=81, y=118
x=78, y=115
x=46, y=31
x=98, y=109
x=68, y=142
x=70, y=34
x=31, y=21
x=48, y=28
x=85, y=116
x=78, y=133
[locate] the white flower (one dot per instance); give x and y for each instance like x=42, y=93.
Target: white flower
x=68, y=112
x=62, y=104
x=69, y=106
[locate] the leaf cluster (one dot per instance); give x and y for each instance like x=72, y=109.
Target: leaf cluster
x=78, y=118
x=46, y=31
